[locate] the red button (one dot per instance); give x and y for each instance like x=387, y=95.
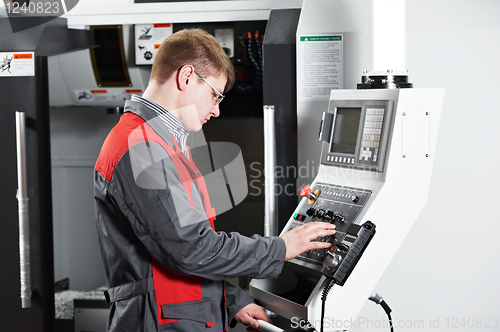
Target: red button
x=305, y=191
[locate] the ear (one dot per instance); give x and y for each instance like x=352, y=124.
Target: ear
x=185, y=77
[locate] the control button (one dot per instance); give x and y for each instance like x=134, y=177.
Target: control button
x=311, y=212
x=321, y=213
x=328, y=216
x=365, y=153
x=306, y=191
x=298, y=216
x=339, y=217
x=342, y=246
x=354, y=198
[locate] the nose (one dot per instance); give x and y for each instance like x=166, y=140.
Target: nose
x=215, y=111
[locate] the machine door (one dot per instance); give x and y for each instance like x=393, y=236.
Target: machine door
x=22, y=95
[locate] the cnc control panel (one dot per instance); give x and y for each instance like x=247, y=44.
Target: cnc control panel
x=324, y=202
x=334, y=204
x=340, y=206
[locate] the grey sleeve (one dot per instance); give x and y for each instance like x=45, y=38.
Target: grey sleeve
x=237, y=299
x=146, y=188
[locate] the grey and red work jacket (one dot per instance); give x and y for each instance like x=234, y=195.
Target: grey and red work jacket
x=164, y=263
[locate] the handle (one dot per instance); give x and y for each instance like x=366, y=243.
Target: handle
x=266, y=327
x=269, y=171
x=22, y=197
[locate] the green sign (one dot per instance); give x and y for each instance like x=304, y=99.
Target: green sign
x=320, y=38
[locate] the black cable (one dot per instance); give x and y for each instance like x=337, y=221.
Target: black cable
x=390, y=321
x=380, y=300
x=256, y=64
x=327, y=288
x=374, y=297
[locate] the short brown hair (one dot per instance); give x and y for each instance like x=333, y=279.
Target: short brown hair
x=194, y=47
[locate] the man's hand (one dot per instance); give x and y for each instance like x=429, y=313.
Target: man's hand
x=298, y=240
x=249, y=314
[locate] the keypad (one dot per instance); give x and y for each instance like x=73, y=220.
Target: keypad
x=372, y=131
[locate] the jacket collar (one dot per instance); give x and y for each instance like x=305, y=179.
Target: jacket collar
x=152, y=119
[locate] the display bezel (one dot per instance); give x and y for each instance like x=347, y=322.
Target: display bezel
x=353, y=160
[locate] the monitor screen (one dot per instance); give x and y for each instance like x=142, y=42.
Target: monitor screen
x=108, y=60
x=345, y=131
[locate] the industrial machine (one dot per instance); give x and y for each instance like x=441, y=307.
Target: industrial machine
x=378, y=148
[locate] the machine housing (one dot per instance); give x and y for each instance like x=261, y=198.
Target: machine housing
x=378, y=148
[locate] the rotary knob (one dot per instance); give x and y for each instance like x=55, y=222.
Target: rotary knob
x=331, y=261
x=328, y=216
x=321, y=213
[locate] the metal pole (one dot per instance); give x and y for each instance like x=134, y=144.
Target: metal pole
x=22, y=197
x=269, y=171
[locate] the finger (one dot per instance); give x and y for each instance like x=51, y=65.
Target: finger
x=321, y=224
x=259, y=313
x=246, y=320
x=253, y=323
x=250, y=321
x=319, y=233
x=318, y=245
x=319, y=228
x=325, y=232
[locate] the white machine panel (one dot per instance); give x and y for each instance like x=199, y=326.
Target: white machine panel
x=372, y=184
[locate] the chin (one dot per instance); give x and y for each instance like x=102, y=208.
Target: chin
x=196, y=128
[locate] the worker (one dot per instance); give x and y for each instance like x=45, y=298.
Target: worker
x=164, y=263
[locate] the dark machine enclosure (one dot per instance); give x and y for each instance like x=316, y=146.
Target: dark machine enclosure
x=280, y=90
x=29, y=94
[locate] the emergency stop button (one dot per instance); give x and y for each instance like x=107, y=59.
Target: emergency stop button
x=307, y=192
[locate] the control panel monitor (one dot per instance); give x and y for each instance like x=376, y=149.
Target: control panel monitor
x=355, y=133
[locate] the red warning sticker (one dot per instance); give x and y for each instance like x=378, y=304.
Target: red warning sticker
x=15, y=64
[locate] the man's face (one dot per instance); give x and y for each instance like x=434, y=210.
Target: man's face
x=205, y=96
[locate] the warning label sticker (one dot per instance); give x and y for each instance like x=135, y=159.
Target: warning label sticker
x=148, y=38
x=108, y=96
x=17, y=64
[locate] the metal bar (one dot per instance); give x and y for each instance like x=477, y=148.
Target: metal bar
x=269, y=171
x=266, y=327
x=22, y=197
